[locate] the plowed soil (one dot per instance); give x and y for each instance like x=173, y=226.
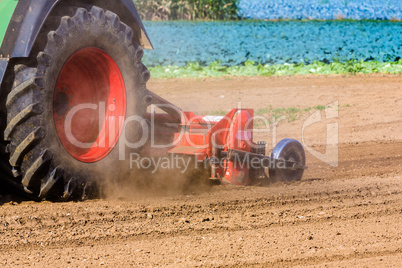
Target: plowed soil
x=347, y=214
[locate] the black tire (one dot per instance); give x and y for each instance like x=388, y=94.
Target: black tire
x=40, y=163
x=288, y=150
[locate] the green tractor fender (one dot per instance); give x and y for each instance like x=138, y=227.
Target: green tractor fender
x=21, y=22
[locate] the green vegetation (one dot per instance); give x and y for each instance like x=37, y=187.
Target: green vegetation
x=187, y=9
x=253, y=69
x=288, y=114
x=275, y=115
x=269, y=115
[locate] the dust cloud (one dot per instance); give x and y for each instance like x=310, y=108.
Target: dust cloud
x=134, y=183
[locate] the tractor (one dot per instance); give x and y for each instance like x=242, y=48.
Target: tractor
x=74, y=102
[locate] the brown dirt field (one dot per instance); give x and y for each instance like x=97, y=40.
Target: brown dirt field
x=343, y=216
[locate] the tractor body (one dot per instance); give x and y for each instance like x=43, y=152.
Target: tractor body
x=22, y=21
x=72, y=80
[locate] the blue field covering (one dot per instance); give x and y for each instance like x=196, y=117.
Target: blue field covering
x=233, y=43
x=321, y=9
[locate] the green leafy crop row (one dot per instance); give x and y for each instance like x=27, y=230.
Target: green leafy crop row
x=187, y=9
x=252, y=69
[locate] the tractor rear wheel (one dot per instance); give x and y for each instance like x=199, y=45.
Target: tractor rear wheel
x=66, y=113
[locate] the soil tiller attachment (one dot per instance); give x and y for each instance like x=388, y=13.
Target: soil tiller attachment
x=222, y=144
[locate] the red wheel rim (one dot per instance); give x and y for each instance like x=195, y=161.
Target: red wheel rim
x=89, y=105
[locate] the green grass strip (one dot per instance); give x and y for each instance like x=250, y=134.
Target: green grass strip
x=270, y=115
x=251, y=68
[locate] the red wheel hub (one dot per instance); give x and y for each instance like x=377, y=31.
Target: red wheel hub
x=89, y=105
